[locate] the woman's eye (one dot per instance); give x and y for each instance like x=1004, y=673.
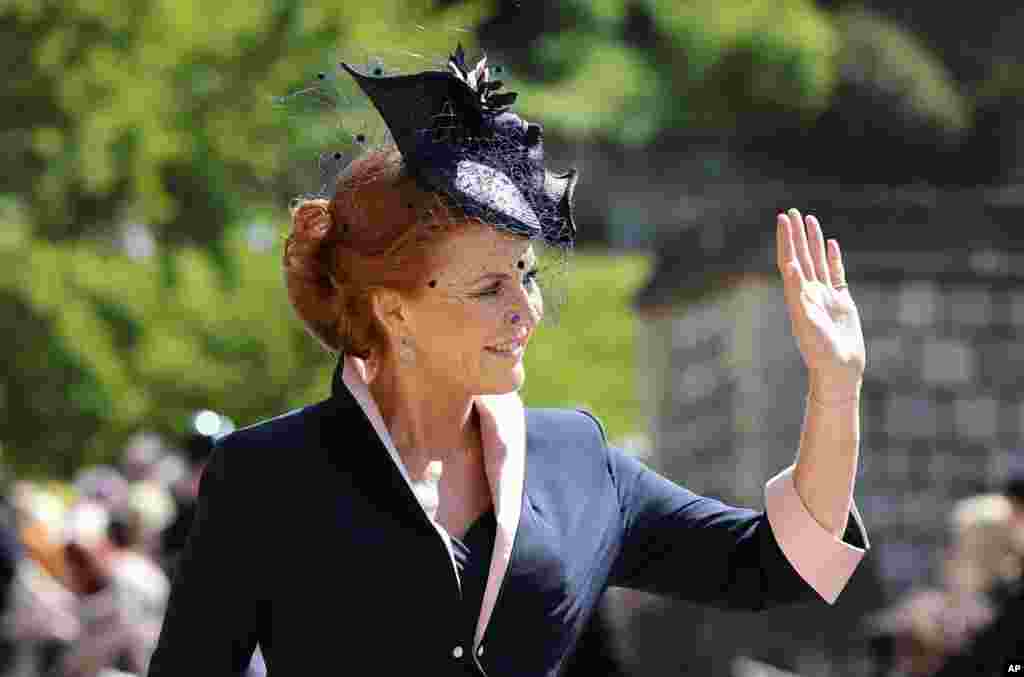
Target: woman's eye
x=529, y=280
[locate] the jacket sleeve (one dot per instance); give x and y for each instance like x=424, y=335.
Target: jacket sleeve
x=213, y=612
x=679, y=544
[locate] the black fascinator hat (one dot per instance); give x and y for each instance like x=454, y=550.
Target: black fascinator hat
x=457, y=136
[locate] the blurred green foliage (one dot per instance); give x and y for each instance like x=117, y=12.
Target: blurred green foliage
x=629, y=71
x=159, y=111
x=878, y=51
x=101, y=347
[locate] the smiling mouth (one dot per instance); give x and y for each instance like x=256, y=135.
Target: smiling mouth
x=513, y=348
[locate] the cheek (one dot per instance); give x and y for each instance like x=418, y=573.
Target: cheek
x=469, y=324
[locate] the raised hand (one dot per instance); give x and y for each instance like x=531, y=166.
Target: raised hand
x=824, y=318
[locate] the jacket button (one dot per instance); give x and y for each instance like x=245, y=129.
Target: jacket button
x=457, y=652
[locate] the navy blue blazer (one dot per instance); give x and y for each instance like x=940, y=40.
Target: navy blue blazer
x=309, y=541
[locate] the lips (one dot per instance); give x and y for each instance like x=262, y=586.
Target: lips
x=510, y=347
x=507, y=347
x=510, y=344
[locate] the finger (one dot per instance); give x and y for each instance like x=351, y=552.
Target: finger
x=781, y=220
x=803, y=252
x=817, y=246
x=835, y=261
x=788, y=264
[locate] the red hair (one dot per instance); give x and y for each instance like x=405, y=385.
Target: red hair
x=377, y=232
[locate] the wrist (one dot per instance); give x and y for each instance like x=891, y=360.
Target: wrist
x=831, y=390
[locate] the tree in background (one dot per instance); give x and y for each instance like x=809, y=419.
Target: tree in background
x=159, y=111
x=631, y=71
x=795, y=84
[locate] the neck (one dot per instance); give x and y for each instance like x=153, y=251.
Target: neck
x=427, y=422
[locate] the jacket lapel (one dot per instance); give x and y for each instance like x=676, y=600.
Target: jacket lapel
x=503, y=434
x=354, y=377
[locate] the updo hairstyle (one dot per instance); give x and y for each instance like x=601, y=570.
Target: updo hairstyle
x=376, y=233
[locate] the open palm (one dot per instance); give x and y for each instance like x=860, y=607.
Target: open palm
x=823, y=315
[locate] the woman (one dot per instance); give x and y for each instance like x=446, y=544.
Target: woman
x=455, y=531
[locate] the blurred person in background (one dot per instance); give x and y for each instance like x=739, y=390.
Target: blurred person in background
x=141, y=457
x=918, y=635
x=11, y=555
x=984, y=561
x=155, y=507
x=915, y=636
x=437, y=524
x=121, y=593
x=170, y=469
x=144, y=464
x=141, y=583
x=42, y=617
x=1000, y=644
x=40, y=526
x=1015, y=492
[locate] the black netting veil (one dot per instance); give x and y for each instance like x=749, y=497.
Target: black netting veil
x=450, y=117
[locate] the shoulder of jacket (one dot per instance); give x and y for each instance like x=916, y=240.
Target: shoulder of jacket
x=596, y=421
x=576, y=421
x=272, y=436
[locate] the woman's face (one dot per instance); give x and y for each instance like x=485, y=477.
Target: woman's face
x=461, y=328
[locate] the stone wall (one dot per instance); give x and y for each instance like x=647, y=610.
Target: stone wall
x=943, y=412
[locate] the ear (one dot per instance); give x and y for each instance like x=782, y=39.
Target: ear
x=390, y=311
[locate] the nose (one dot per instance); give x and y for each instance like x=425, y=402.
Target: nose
x=527, y=309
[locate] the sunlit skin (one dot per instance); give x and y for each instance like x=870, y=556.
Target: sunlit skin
x=827, y=329
x=481, y=277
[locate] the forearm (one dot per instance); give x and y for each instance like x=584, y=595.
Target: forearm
x=826, y=463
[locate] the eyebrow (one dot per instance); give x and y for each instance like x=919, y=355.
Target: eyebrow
x=501, y=276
